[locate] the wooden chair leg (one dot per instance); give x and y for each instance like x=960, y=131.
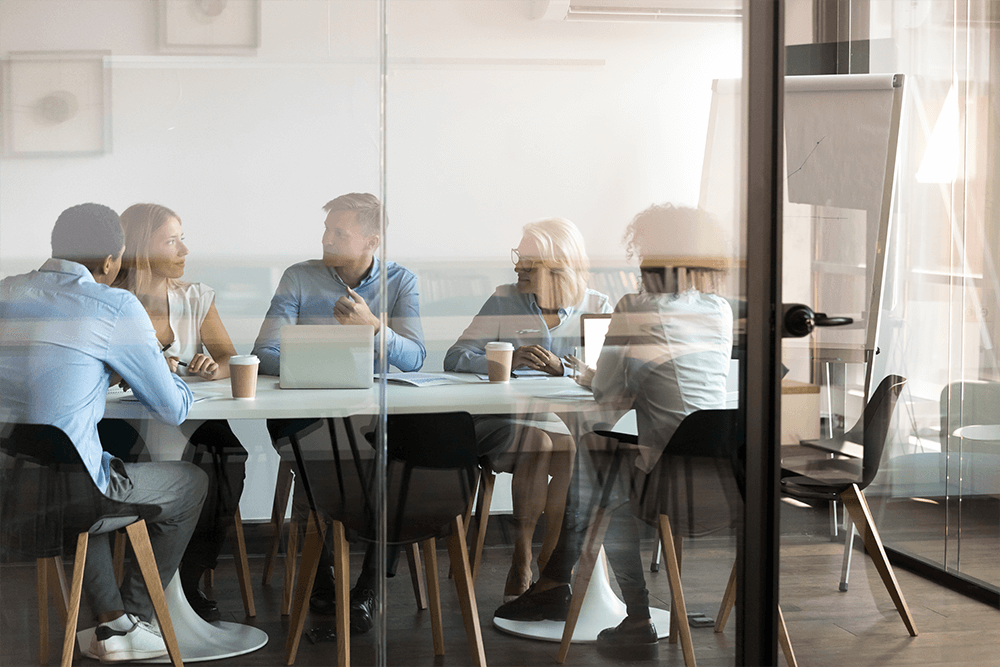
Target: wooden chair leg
x=584, y=570
x=434, y=594
x=416, y=578
x=290, y=555
x=118, y=557
x=677, y=608
x=674, y=620
x=57, y=576
x=144, y=558
x=728, y=600
x=459, y=556
x=313, y=546
x=239, y=547
x=487, y=480
x=342, y=571
x=42, y=591
x=282, y=489
x=75, y=593
x=784, y=641
x=856, y=504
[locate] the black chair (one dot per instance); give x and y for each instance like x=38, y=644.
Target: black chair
x=845, y=479
x=712, y=438
x=432, y=452
x=47, y=494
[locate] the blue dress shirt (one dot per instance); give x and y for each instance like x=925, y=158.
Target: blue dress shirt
x=516, y=318
x=61, y=336
x=306, y=295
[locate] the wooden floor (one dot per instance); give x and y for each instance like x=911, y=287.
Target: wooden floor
x=827, y=627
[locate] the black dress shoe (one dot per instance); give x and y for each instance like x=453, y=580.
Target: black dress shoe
x=629, y=642
x=533, y=605
x=207, y=609
x=362, y=610
x=323, y=599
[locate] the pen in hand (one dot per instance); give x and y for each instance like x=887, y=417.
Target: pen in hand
x=167, y=347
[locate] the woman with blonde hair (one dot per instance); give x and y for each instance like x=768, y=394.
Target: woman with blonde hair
x=540, y=316
x=194, y=342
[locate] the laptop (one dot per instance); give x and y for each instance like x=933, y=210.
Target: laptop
x=593, y=329
x=327, y=356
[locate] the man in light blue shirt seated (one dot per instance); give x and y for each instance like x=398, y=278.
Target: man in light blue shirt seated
x=343, y=288
x=66, y=335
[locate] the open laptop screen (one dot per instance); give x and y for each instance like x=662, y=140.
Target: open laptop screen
x=593, y=329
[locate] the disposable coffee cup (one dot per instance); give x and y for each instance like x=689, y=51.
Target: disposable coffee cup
x=498, y=359
x=243, y=375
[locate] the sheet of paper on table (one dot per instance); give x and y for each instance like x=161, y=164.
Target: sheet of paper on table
x=424, y=379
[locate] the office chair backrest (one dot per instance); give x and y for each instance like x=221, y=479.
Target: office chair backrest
x=876, y=421
x=46, y=494
x=437, y=440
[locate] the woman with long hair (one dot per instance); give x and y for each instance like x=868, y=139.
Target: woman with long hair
x=194, y=342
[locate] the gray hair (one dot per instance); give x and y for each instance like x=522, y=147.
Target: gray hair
x=367, y=207
x=564, y=254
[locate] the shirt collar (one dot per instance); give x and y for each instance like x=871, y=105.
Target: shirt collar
x=53, y=265
x=368, y=277
x=535, y=308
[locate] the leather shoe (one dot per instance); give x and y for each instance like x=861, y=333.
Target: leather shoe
x=362, y=610
x=534, y=605
x=629, y=641
x=207, y=609
x=323, y=599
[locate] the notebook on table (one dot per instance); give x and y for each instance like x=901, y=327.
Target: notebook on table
x=327, y=356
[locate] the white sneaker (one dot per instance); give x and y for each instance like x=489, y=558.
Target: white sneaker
x=140, y=642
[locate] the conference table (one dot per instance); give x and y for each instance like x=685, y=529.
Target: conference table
x=449, y=391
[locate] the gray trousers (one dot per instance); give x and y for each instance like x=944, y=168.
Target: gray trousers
x=169, y=496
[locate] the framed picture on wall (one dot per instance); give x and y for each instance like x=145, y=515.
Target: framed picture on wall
x=56, y=103
x=210, y=26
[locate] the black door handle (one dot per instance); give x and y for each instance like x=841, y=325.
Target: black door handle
x=799, y=320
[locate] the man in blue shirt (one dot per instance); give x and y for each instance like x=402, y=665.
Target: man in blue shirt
x=65, y=335
x=343, y=288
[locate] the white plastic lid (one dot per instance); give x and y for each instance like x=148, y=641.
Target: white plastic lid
x=499, y=346
x=244, y=360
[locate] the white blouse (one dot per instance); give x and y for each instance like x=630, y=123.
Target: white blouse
x=189, y=304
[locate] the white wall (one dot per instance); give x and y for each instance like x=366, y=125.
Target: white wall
x=493, y=120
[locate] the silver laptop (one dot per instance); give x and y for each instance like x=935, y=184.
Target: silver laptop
x=593, y=329
x=327, y=356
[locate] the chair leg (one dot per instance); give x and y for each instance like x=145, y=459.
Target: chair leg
x=290, y=555
x=58, y=575
x=784, y=641
x=677, y=607
x=584, y=571
x=728, y=600
x=856, y=504
x=674, y=619
x=845, y=568
x=459, y=555
x=342, y=570
x=75, y=593
x=312, y=548
x=487, y=481
x=434, y=594
x=118, y=557
x=144, y=558
x=282, y=489
x=42, y=591
x=239, y=547
x=414, y=561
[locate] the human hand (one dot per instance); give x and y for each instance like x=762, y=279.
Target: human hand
x=536, y=358
x=354, y=310
x=584, y=373
x=203, y=366
x=174, y=363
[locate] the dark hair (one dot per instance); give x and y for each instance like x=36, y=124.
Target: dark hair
x=87, y=233
x=366, y=205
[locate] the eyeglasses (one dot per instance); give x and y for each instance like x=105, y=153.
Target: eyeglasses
x=525, y=262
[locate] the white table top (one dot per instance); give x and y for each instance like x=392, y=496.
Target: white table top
x=470, y=394
x=979, y=432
